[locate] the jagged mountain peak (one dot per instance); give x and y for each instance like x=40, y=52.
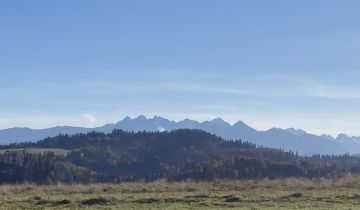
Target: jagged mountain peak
x=159, y=119
x=295, y=131
x=327, y=137
x=242, y=125
x=274, y=129
x=188, y=120
x=127, y=118
x=343, y=137
x=140, y=117
x=288, y=139
x=219, y=121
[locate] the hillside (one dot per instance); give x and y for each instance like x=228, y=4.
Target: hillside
x=286, y=139
x=176, y=155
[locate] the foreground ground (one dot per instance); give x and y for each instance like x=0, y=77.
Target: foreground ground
x=265, y=194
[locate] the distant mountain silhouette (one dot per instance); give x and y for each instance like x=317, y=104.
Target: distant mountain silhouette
x=287, y=139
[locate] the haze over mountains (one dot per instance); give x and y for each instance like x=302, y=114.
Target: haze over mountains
x=287, y=139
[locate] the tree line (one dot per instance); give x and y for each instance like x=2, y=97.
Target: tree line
x=175, y=155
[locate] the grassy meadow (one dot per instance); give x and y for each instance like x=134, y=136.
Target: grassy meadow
x=341, y=193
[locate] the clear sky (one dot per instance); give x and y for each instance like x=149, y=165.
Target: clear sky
x=267, y=63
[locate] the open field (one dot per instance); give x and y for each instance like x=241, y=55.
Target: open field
x=265, y=194
x=38, y=150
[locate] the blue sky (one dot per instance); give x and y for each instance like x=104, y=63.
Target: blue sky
x=267, y=63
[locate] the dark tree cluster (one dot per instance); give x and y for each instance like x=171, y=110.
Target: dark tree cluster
x=176, y=155
x=47, y=168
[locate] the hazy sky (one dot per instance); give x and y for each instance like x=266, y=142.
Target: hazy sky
x=267, y=63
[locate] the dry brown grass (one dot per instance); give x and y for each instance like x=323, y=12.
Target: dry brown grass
x=341, y=193
x=164, y=186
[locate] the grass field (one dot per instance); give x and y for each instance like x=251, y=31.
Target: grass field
x=265, y=194
x=38, y=150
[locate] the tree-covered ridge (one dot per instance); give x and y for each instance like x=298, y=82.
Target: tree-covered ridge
x=175, y=155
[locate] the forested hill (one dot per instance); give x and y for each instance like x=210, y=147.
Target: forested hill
x=288, y=139
x=175, y=155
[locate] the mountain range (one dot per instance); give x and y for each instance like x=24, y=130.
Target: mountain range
x=287, y=139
